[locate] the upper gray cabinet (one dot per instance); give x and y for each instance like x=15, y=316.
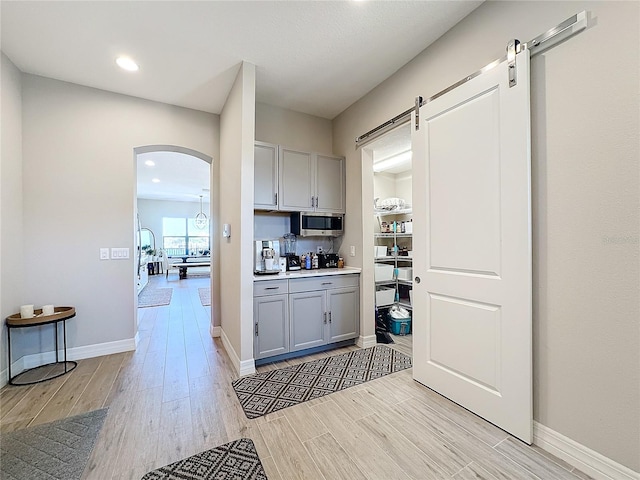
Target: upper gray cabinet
x=296, y=174
x=330, y=184
x=293, y=180
x=265, y=183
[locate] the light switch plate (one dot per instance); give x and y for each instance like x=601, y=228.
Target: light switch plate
x=104, y=254
x=352, y=250
x=119, y=253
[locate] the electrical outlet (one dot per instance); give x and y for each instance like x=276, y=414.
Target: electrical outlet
x=319, y=249
x=352, y=250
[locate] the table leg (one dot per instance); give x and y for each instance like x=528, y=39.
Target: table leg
x=183, y=272
x=64, y=334
x=9, y=350
x=55, y=332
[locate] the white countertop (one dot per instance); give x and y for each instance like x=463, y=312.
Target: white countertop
x=321, y=272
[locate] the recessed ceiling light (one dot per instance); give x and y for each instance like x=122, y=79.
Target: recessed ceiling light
x=150, y=163
x=155, y=180
x=127, y=64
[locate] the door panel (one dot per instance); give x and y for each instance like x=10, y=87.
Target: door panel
x=307, y=313
x=265, y=175
x=343, y=306
x=271, y=313
x=296, y=175
x=472, y=247
x=464, y=199
x=330, y=185
x=475, y=329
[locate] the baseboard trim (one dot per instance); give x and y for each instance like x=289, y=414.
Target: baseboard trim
x=245, y=367
x=366, y=342
x=73, y=353
x=583, y=458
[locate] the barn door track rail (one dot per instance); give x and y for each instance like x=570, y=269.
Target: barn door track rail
x=564, y=30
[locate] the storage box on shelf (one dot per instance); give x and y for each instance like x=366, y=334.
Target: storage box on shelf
x=385, y=296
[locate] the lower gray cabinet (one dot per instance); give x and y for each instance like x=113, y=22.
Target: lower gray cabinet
x=271, y=325
x=298, y=314
x=307, y=320
x=343, y=307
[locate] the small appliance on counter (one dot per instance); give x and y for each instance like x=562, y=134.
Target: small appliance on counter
x=328, y=260
x=288, y=247
x=266, y=257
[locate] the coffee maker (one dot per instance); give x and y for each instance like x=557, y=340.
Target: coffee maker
x=266, y=257
x=289, y=249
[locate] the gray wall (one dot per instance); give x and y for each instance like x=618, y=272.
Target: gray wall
x=585, y=152
x=293, y=129
x=11, y=231
x=79, y=195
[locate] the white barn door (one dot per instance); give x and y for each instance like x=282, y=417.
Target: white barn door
x=472, y=247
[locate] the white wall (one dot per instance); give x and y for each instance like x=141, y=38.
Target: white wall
x=585, y=152
x=79, y=195
x=293, y=129
x=11, y=231
x=237, y=135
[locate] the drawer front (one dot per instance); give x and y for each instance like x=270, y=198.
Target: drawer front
x=323, y=283
x=270, y=287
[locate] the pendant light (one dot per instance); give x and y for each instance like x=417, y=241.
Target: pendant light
x=201, y=218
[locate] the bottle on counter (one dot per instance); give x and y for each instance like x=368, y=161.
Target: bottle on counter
x=307, y=261
x=314, y=261
x=340, y=262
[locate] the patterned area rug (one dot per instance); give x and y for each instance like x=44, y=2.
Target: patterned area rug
x=236, y=460
x=154, y=297
x=205, y=296
x=53, y=451
x=267, y=392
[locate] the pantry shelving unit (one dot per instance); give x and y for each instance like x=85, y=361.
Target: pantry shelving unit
x=393, y=270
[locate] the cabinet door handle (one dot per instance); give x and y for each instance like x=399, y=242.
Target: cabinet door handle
x=327, y=283
x=316, y=202
x=325, y=317
x=271, y=288
x=329, y=317
x=275, y=199
x=256, y=329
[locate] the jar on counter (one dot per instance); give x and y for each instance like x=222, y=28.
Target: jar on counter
x=340, y=262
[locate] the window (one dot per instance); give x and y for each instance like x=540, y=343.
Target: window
x=180, y=236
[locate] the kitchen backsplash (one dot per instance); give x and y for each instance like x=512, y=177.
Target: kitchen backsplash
x=268, y=226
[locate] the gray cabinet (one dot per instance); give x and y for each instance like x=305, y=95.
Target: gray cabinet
x=271, y=319
x=296, y=187
x=265, y=183
x=308, y=319
x=298, y=314
x=330, y=184
x=323, y=310
x=293, y=180
x=343, y=305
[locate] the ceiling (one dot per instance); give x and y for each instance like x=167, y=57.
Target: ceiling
x=182, y=177
x=315, y=57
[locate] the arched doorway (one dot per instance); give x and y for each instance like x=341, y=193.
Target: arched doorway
x=173, y=184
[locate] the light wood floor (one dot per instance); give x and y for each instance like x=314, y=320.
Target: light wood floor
x=172, y=398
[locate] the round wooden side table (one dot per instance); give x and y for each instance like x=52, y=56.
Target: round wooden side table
x=47, y=371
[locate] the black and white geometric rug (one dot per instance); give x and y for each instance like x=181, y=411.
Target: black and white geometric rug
x=237, y=460
x=268, y=392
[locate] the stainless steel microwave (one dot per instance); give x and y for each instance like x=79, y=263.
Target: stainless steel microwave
x=317, y=224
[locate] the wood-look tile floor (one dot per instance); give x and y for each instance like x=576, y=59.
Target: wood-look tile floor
x=172, y=398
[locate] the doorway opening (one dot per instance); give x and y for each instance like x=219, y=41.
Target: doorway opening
x=388, y=228
x=174, y=221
